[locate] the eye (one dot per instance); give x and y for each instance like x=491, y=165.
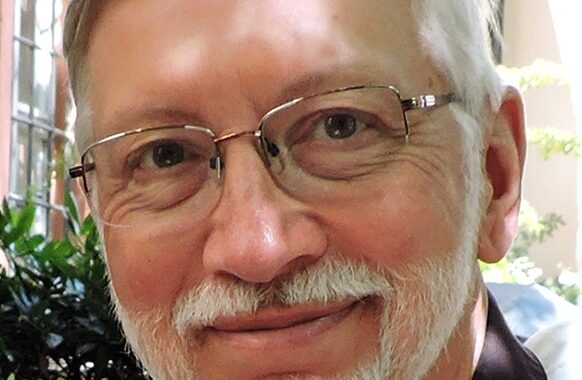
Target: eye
x=340, y=126
x=167, y=154
x=333, y=127
x=162, y=154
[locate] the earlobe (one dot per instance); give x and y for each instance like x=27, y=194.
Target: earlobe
x=497, y=232
x=505, y=159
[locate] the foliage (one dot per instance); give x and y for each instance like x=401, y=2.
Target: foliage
x=551, y=141
x=540, y=73
x=567, y=284
x=533, y=229
x=56, y=321
x=518, y=267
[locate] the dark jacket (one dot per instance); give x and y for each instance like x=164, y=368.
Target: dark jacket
x=503, y=356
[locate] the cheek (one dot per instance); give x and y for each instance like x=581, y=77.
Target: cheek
x=148, y=268
x=408, y=224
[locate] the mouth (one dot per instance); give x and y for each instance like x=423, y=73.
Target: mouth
x=282, y=326
x=283, y=317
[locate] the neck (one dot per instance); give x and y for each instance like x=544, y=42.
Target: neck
x=460, y=356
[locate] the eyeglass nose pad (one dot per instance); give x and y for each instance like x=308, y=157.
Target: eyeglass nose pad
x=272, y=156
x=271, y=148
x=216, y=163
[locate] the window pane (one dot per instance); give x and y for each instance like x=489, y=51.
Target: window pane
x=44, y=24
x=23, y=73
x=44, y=86
x=59, y=15
x=20, y=160
x=40, y=146
x=25, y=18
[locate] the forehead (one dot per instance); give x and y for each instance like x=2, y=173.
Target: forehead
x=149, y=53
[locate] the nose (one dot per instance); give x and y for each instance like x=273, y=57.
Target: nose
x=257, y=232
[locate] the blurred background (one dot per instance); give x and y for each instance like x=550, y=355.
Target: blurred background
x=48, y=252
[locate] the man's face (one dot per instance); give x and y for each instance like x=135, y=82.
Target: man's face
x=224, y=64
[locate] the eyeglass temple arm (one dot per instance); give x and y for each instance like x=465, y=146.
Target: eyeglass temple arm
x=80, y=171
x=427, y=101
x=423, y=101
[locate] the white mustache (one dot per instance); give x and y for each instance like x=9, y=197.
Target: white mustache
x=329, y=279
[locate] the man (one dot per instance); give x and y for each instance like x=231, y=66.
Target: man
x=300, y=190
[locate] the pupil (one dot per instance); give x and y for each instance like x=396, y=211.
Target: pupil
x=168, y=154
x=340, y=126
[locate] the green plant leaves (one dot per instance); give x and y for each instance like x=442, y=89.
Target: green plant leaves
x=25, y=246
x=551, y=141
x=73, y=221
x=540, y=73
x=517, y=266
x=55, y=309
x=17, y=223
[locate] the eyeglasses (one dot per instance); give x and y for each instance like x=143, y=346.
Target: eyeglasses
x=313, y=146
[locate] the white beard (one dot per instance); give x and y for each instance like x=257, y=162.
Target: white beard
x=426, y=300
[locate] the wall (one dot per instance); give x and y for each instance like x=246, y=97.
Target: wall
x=550, y=186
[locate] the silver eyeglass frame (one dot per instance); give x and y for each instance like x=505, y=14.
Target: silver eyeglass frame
x=425, y=101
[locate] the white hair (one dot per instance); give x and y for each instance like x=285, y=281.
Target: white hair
x=457, y=35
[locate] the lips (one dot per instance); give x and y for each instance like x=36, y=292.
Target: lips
x=282, y=317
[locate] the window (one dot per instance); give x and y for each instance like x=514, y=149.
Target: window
x=39, y=102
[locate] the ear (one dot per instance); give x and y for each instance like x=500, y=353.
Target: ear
x=505, y=159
